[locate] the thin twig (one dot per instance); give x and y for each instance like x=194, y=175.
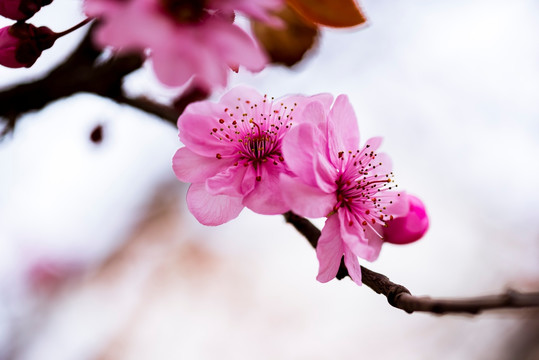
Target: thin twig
x=400, y=297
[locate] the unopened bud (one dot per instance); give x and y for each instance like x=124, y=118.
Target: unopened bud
x=21, y=9
x=21, y=44
x=408, y=228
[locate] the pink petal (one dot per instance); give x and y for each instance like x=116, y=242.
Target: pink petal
x=212, y=209
x=409, y=228
x=249, y=180
x=397, y=202
x=241, y=96
x=352, y=265
x=300, y=146
x=195, y=131
x=329, y=250
x=227, y=182
x=374, y=143
x=266, y=197
x=362, y=243
x=325, y=173
x=374, y=242
x=233, y=46
x=191, y=167
x=343, y=132
x=305, y=113
x=257, y=9
x=306, y=200
x=385, y=168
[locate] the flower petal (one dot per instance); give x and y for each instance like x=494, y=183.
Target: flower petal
x=196, y=125
x=397, y=202
x=242, y=96
x=305, y=113
x=266, y=197
x=230, y=43
x=352, y=265
x=212, y=209
x=385, y=167
x=365, y=244
x=343, y=131
x=329, y=250
x=306, y=200
x=299, y=148
x=191, y=167
x=227, y=182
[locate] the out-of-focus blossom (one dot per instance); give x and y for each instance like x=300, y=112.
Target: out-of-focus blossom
x=21, y=44
x=21, y=9
x=408, y=228
x=353, y=187
x=261, y=10
x=186, y=39
x=232, y=154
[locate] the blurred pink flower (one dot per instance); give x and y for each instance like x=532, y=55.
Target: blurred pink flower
x=410, y=227
x=21, y=9
x=350, y=186
x=232, y=154
x=21, y=44
x=186, y=39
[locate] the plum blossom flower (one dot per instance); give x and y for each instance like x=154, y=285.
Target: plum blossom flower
x=232, y=154
x=352, y=186
x=410, y=227
x=185, y=39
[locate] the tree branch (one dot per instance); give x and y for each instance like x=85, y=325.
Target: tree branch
x=400, y=297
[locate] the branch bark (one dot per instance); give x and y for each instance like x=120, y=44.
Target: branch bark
x=400, y=297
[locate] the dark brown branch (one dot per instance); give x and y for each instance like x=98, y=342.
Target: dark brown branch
x=400, y=297
x=165, y=112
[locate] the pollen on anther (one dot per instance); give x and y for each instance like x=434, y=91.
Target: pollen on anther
x=218, y=156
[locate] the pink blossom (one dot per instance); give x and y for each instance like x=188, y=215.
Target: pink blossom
x=21, y=44
x=410, y=227
x=186, y=39
x=352, y=186
x=232, y=154
x=21, y=9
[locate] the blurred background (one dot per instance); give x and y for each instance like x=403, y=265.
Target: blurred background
x=99, y=258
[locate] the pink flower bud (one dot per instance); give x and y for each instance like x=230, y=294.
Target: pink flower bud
x=21, y=9
x=21, y=44
x=408, y=228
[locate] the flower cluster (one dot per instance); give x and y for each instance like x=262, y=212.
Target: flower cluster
x=301, y=154
x=186, y=40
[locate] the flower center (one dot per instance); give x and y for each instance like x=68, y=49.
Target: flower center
x=255, y=131
x=362, y=188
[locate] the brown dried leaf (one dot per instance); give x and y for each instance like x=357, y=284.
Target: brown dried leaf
x=335, y=13
x=287, y=44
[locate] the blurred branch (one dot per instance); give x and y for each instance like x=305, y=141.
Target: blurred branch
x=400, y=297
x=81, y=73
